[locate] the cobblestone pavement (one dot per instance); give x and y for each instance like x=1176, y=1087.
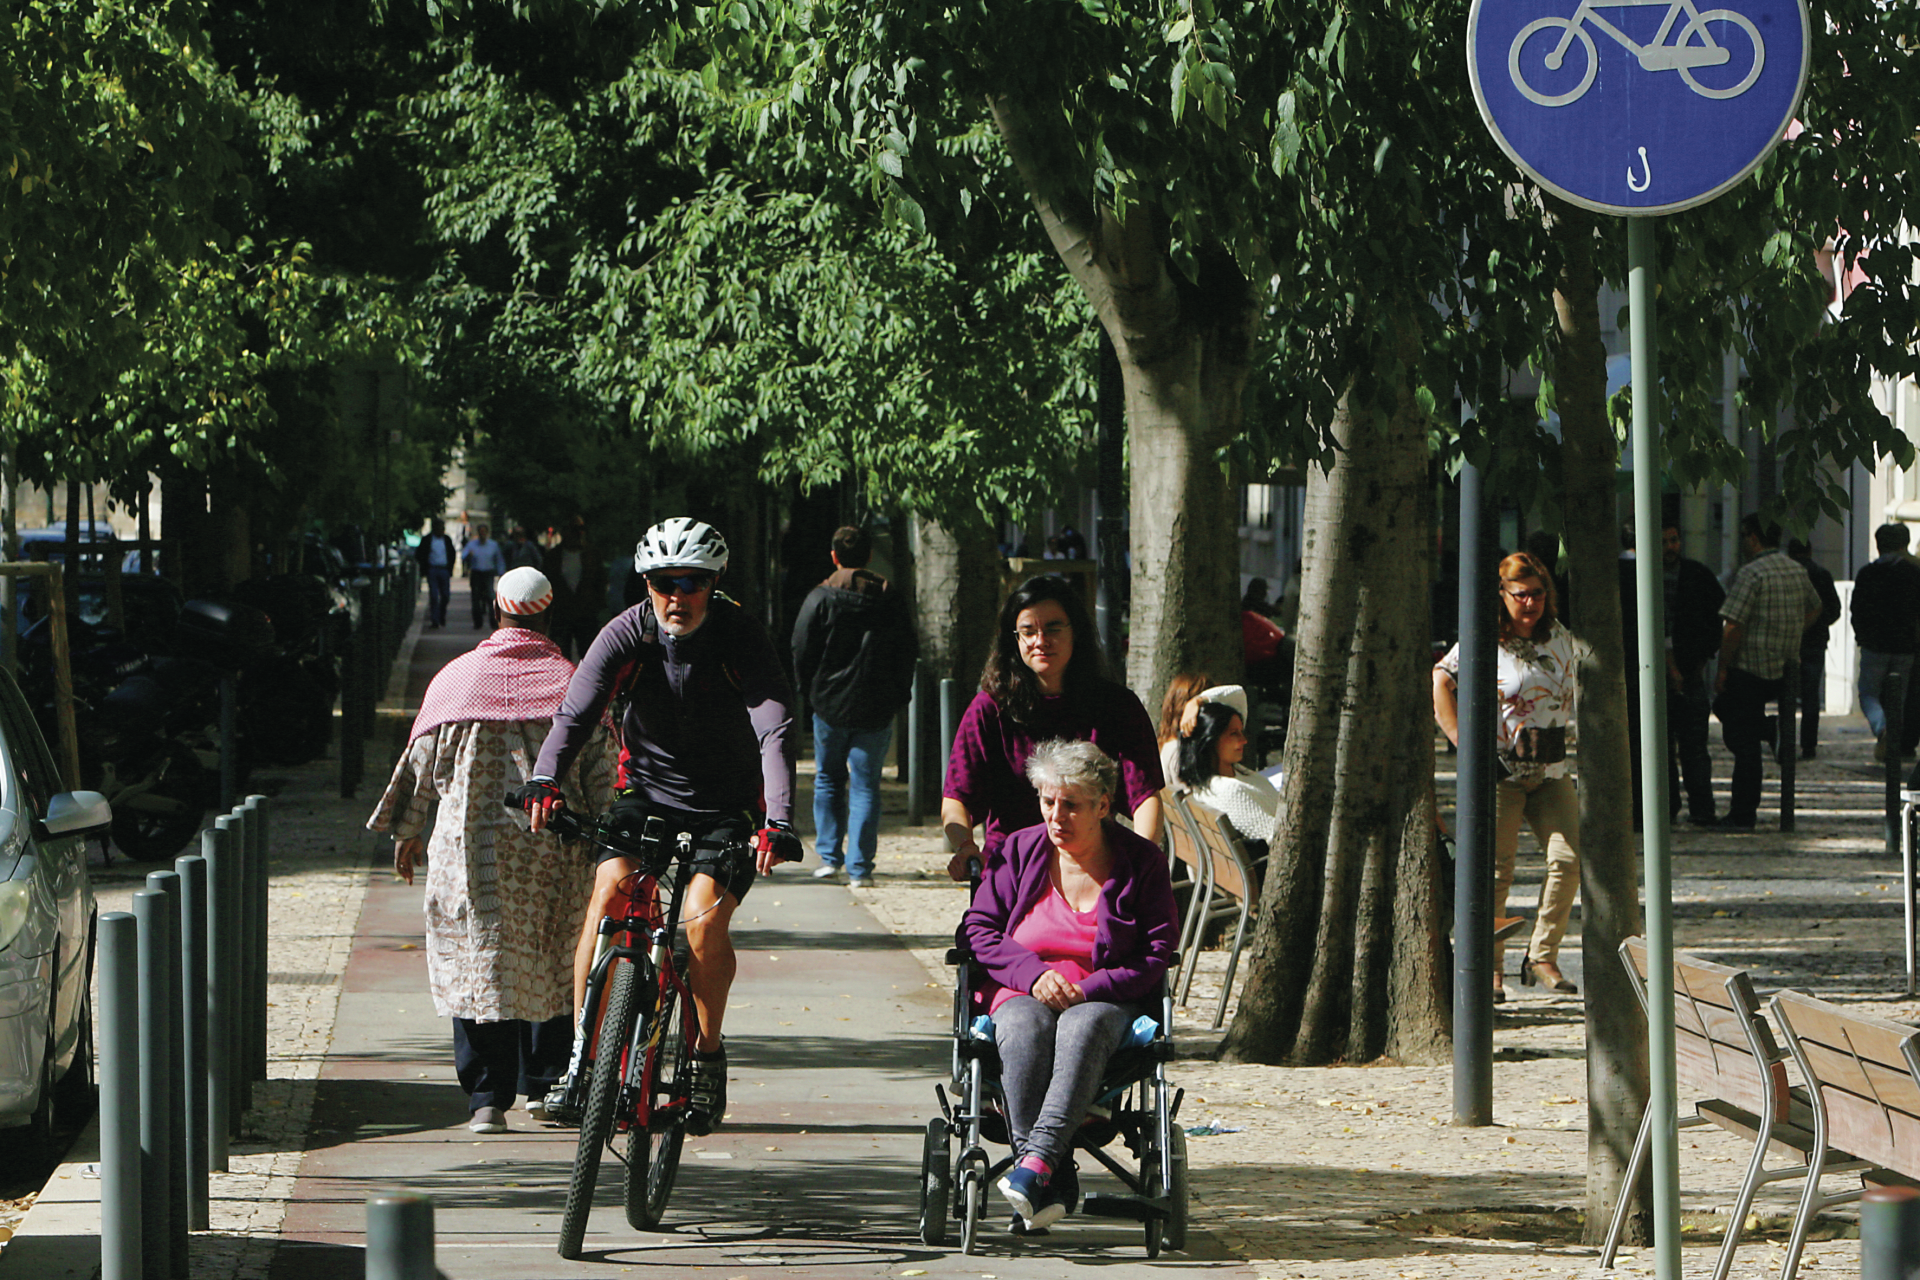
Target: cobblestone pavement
x=1354, y=1171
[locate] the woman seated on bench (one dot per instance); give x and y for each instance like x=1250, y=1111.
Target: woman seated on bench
x=1074, y=924
x=1213, y=741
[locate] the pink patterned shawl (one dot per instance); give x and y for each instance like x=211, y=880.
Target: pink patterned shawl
x=514, y=674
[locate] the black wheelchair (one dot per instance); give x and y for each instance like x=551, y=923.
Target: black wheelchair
x=1135, y=1105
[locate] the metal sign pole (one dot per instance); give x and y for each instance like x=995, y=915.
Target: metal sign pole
x=1473, y=948
x=1642, y=259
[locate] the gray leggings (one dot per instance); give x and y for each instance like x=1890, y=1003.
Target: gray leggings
x=1050, y=1065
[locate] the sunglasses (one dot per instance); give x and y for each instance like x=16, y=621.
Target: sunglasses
x=685, y=584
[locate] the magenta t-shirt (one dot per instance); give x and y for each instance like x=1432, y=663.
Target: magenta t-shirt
x=1058, y=934
x=988, y=769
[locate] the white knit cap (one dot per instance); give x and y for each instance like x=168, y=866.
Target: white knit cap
x=523, y=591
x=1231, y=695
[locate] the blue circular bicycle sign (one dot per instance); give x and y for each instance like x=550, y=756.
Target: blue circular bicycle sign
x=1637, y=106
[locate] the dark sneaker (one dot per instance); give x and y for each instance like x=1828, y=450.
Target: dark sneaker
x=706, y=1095
x=563, y=1104
x=1032, y=1198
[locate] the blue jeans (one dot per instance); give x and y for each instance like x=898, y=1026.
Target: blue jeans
x=1874, y=669
x=439, y=589
x=846, y=794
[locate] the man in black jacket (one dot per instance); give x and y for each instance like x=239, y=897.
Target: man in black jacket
x=853, y=652
x=1886, y=607
x=1694, y=596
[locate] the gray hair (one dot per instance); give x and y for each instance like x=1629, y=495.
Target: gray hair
x=1073, y=766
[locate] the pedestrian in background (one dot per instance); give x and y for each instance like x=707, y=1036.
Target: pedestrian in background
x=436, y=556
x=485, y=561
x=1537, y=678
x=503, y=906
x=1813, y=647
x=853, y=651
x=1768, y=608
x=579, y=589
x=522, y=553
x=1693, y=637
x=1886, y=622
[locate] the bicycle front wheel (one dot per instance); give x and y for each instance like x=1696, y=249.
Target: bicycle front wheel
x=653, y=1149
x=1554, y=71
x=596, y=1124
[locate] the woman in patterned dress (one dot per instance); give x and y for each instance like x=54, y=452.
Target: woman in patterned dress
x=503, y=905
x=1539, y=663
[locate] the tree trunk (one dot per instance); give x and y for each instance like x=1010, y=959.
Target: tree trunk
x=1609, y=891
x=1185, y=349
x=956, y=600
x=1349, y=958
x=1184, y=387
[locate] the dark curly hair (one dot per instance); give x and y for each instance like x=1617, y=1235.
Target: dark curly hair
x=1008, y=680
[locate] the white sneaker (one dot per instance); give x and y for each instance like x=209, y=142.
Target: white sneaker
x=488, y=1120
x=826, y=871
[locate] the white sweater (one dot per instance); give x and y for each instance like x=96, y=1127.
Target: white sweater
x=1249, y=801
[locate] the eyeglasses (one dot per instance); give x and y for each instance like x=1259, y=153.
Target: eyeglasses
x=1529, y=597
x=686, y=584
x=1052, y=631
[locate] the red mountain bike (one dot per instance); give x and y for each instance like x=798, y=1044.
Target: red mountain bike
x=640, y=1059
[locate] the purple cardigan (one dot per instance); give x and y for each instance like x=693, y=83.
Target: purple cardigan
x=1133, y=940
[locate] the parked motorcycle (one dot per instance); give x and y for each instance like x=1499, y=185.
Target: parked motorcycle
x=147, y=725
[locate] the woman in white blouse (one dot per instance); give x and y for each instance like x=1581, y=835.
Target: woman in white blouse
x=1213, y=741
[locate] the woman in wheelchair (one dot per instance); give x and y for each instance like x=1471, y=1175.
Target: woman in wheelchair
x=1074, y=925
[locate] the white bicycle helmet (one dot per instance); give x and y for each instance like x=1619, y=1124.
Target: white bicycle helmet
x=681, y=543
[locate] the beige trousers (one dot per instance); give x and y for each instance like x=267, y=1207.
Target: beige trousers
x=1551, y=807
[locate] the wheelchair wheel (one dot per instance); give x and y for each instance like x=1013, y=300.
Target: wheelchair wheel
x=936, y=1184
x=973, y=1193
x=1177, y=1192
x=596, y=1124
x=653, y=1149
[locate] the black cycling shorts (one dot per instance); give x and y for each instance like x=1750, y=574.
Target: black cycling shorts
x=722, y=842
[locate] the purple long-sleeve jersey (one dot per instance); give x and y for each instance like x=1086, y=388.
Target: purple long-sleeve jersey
x=708, y=721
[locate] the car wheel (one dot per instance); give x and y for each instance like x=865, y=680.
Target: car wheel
x=73, y=1096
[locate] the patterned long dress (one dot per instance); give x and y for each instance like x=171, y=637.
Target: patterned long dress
x=503, y=905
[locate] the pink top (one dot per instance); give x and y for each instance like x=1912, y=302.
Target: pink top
x=1059, y=935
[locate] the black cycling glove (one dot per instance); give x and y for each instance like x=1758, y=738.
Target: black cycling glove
x=780, y=838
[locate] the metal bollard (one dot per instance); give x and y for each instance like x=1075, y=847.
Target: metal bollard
x=1786, y=746
x=168, y=883
x=216, y=852
x=229, y=738
x=251, y=928
x=258, y=826
x=1889, y=1233
x=154, y=912
x=192, y=870
x=234, y=912
x=399, y=1237
x=121, y=1245
x=949, y=718
x=913, y=759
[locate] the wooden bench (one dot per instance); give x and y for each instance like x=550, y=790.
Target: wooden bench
x=1863, y=1078
x=1733, y=1071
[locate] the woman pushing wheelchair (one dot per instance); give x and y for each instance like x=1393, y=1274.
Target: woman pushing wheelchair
x=1074, y=924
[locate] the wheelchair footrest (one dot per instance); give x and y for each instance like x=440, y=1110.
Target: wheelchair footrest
x=1138, y=1208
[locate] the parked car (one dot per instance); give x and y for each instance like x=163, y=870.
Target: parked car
x=46, y=933
x=50, y=543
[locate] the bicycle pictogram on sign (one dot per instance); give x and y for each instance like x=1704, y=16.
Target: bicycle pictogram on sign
x=1695, y=47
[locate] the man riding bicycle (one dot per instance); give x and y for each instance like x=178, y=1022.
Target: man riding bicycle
x=706, y=726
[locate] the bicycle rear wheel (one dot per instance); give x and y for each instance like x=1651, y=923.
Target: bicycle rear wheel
x=596, y=1124
x=653, y=1150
